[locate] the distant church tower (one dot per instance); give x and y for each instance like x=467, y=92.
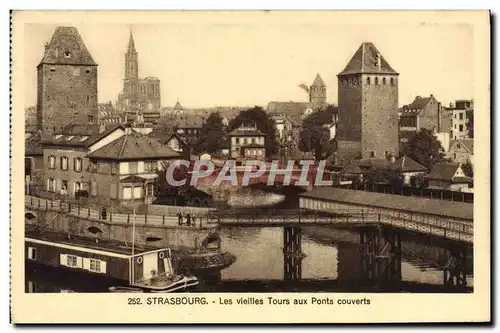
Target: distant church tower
x=140, y=95
x=317, y=91
x=67, y=83
x=368, y=107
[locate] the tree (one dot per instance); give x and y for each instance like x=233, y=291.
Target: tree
x=211, y=135
x=424, y=148
x=164, y=189
x=314, y=136
x=264, y=123
x=468, y=169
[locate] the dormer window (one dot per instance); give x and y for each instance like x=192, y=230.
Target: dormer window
x=376, y=81
x=368, y=81
x=67, y=54
x=383, y=81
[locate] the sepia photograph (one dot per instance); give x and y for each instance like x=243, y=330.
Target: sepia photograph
x=302, y=160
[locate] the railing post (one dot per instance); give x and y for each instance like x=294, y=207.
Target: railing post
x=31, y=201
x=78, y=210
x=128, y=218
x=69, y=207
x=145, y=218
x=51, y=203
x=89, y=212
x=111, y=216
x=378, y=217
x=46, y=205
x=163, y=218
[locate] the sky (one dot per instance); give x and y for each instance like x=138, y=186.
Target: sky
x=230, y=64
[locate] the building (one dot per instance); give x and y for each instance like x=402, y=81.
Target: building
x=247, y=142
x=33, y=159
x=112, y=165
x=448, y=176
x=368, y=107
x=423, y=113
x=126, y=168
x=140, y=99
x=408, y=168
x=460, y=114
x=299, y=110
x=462, y=151
x=174, y=141
x=67, y=83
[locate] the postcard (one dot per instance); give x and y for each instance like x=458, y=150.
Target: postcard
x=250, y=167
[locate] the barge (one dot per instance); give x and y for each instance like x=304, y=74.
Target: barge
x=140, y=268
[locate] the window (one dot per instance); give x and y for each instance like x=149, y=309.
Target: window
x=372, y=154
x=77, y=164
x=237, y=140
x=52, y=162
x=458, y=145
x=92, y=166
x=149, y=190
x=383, y=81
x=461, y=128
x=67, y=54
x=244, y=141
x=461, y=116
x=93, y=188
x=114, y=168
x=31, y=253
x=376, y=81
x=76, y=71
x=71, y=261
x=64, y=186
x=132, y=167
x=64, y=163
x=368, y=81
x=91, y=119
x=150, y=166
x=87, y=70
x=137, y=192
x=52, y=69
x=454, y=156
x=386, y=154
x=95, y=265
x=455, y=116
x=127, y=192
x=77, y=187
x=51, y=185
x=392, y=81
x=253, y=140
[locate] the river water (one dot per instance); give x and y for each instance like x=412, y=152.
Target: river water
x=331, y=264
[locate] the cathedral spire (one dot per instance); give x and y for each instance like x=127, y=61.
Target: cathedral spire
x=131, y=44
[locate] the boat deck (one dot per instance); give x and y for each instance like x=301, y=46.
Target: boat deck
x=88, y=242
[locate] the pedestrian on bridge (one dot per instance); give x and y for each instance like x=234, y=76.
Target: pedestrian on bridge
x=179, y=218
x=188, y=219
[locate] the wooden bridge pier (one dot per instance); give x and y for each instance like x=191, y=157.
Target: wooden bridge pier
x=292, y=253
x=381, y=257
x=455, y=271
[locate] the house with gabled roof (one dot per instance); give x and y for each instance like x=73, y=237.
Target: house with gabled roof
x=462, y=151
x=408, y=168
x=448, y=176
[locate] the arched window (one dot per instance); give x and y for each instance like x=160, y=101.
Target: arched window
x=383, y=81
x=368, y=80
x=392, y=81
x=376, y=81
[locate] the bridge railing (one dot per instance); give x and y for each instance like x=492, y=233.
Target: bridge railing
x=110, y=216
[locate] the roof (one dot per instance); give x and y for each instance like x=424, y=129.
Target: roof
x=131, y=44
x=166, y=136
x=67, y=47
x=33, y=144
x=134, y=146
x=418, y=104
x=367, y=59
x=132, y=179
x=237, y=132
x=293, y=109
x=460, y=210
x=318, y=81
x=467, y=144
x=446, y=172
x=406, y=164
x=189, y=121
x=374, y=163
x=80, y=135
x=178, y=106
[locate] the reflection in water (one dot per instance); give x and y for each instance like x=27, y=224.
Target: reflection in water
x=333, y=263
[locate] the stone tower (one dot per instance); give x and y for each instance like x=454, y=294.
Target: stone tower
x=368, y=107
x=317, y=91
x=131, y=60
x=67, y=83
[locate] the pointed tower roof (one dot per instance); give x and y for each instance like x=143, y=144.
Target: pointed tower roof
x=368, y=60
x=178, y=106
x=67, y=47
x=318, y=81
x=131, y=43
